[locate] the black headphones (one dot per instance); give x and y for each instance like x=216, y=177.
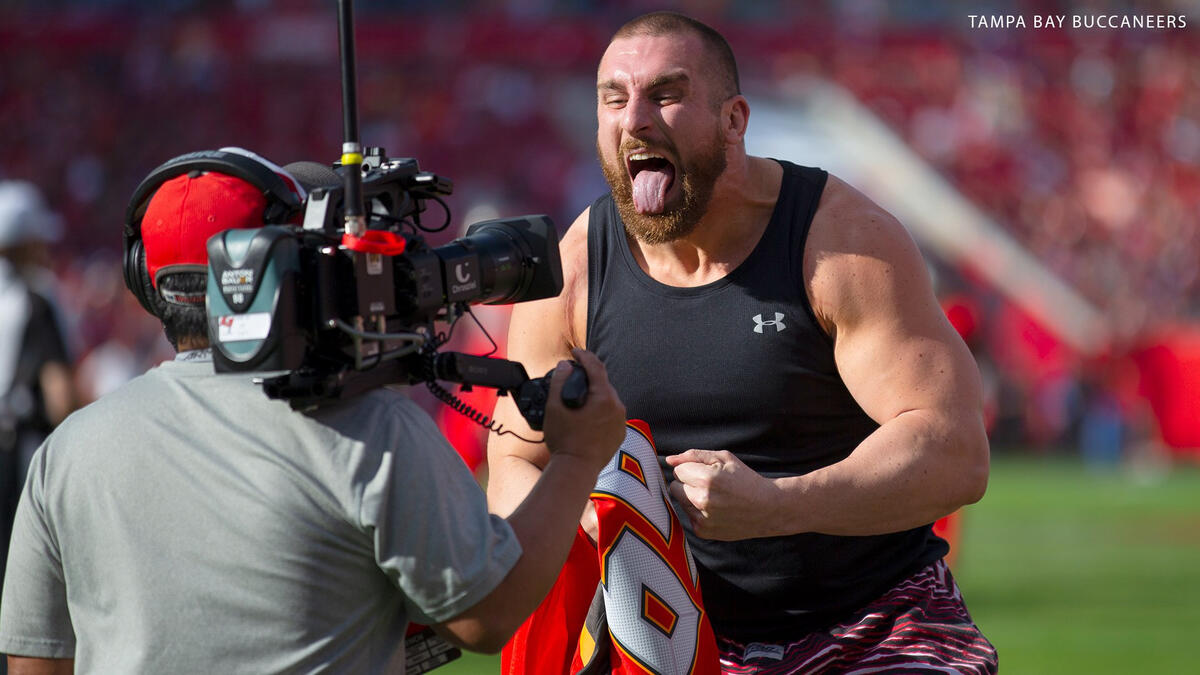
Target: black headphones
x=283, y=203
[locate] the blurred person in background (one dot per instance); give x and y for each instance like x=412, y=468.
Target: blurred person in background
x=36, y=390
x=187, y=523
x=779, y=333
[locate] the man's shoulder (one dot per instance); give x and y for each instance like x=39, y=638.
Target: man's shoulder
x=166, y=392
x=572, y=248
x=840, y=197
x=383, y=413
x=848, y=219
x=381, y=401
x=95, y=425
x=857, y=253
x=107, y=408
x=564, y=315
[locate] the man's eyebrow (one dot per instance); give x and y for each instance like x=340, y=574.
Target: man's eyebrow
x=610, y=85
x=677, y=77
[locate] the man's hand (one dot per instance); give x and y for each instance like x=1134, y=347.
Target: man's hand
x=723, y=498
x=595, y=431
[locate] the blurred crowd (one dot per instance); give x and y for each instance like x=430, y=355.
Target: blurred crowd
x=1084, y=144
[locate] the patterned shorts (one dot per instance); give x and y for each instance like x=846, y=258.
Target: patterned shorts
x=919, y=626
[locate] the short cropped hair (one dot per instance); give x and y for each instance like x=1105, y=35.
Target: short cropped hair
x=657, y=24
x=183, y=322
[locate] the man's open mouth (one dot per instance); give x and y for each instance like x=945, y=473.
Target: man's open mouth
x=652, y=176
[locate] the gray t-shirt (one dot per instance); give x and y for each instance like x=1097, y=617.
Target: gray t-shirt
x=186, y=523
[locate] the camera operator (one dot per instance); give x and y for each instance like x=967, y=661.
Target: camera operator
x=187, y=523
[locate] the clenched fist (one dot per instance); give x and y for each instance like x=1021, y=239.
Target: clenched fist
x=723, y=498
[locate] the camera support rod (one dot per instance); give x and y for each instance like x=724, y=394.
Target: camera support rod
x=484, y=371
x=352, y=158
x=304, y=389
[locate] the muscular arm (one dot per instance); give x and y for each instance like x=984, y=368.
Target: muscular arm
x=903, y=363
x=540, y=334
x=907, y=368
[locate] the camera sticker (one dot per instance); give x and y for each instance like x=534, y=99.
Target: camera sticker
x=236, y=327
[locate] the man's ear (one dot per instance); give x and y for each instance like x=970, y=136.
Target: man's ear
x=735, y=115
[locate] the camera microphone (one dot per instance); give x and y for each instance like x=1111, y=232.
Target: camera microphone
x=313, y=175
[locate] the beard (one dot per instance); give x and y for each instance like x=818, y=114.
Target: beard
x=679, y=218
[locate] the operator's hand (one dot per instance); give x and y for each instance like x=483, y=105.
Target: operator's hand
x=723, y=498
x=593, y=432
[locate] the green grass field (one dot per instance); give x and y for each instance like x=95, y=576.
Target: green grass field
x=1072, y=571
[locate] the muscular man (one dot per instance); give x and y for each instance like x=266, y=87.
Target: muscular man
x=779, y=333
x=187, y=523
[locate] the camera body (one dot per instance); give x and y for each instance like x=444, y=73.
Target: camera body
x=327, y=313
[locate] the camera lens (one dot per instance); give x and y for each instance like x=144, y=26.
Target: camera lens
x=503, y=261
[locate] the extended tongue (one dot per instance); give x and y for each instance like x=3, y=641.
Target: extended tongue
x=650, y=189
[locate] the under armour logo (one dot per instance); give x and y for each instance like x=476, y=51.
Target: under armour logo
x=778, y=322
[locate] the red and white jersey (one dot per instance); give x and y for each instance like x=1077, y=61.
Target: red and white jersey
x=648, y=616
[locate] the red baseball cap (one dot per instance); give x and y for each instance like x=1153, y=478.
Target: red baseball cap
x=186, y=210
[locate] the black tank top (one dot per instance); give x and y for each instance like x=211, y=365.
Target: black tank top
x=741, y=364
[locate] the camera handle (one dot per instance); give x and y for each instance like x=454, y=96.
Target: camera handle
x=530, y=394
x=306, y=389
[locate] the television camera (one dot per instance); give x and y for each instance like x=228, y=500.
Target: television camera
x=329, y=313
x=351, y=298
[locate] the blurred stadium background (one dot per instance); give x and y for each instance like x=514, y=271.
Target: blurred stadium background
x=1051, y=176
